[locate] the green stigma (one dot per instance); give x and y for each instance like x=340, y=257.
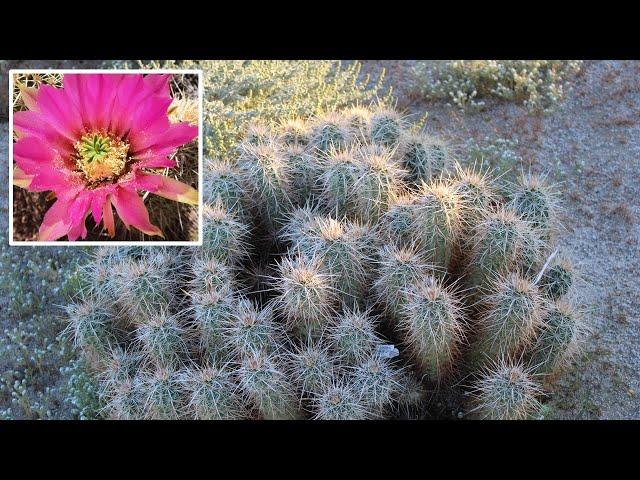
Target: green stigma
x=93, y=147
x=101, y=157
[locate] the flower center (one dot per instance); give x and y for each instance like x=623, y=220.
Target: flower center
x=101, y=157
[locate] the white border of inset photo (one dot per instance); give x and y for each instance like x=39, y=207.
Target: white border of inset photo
x=82, y=243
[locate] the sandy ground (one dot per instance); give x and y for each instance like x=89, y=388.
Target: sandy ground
x=591, y=144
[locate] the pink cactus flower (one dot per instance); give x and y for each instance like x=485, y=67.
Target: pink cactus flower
x=94, y=143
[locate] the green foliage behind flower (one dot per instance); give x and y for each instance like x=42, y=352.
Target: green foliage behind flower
x=538, y=84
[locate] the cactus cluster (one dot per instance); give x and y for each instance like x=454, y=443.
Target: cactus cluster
x=350, y=266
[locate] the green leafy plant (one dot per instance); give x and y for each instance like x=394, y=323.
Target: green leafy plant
x=537, y=84
x=237, y=93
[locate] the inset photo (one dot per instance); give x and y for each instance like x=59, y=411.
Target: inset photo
x=105, y=157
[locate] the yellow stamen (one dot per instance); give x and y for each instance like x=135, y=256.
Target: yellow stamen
x=101, y=157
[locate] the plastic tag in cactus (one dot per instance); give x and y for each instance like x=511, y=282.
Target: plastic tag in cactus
x=387, y=351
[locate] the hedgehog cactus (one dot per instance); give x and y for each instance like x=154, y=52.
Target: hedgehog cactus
x=161, y=338
x=501, y=242
x=118, y=367
x=432, y=326
x=398, y=270
x=343, y=252
x=558, y=340
x=267, y=178
x=386, y=128
x=122, y=400
x=377, y=382
x=294, y=132
x=557, y=279
x=348, y=267
x=301, y=222
x=438, y=222
x=535, y=201
x=211, y=393
x=358, y=118
x=339, y=401
x=425, y=158
x=159, y=392
x=477, y=192
x=306, y=296
x=251, y=329
x=223, y=235
x=331, y=131
x=513, y=312
x=209, y=273
x=311, y=367
x=304, y=170
x=213, y=311
x=224, y=185
x=378, y=183
x=267, y=387
x=354, y=335
x=506, y=391
x=258, y=134
x=399, y=220
x=142, y=286
x=340, y=172
x=89, y=324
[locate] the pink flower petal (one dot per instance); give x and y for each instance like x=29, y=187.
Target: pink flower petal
x=78, y=211
x=107, y=215
x=155, y=162
x=150, y=119
x=66, y=216
x=158, y=84
x=175, y=136
x=99, y=95
x=78, y=229
x=94, y=96
x=47, y=179
x=29, y=96
x=73, y=85
x=30, y=123
x=167, y=187
x=56, y=223
x=31, y=153
x=42, y=163
x=128, y=97
x=98, y=198
x=133, y=212
x=59, y=111
x=21, y=179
